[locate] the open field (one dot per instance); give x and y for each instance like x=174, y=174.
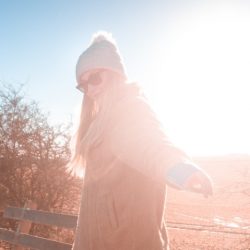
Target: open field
x=226, y=215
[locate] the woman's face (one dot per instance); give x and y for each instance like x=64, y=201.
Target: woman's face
x=93, y=83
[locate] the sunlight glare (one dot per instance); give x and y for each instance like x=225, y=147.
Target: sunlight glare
x=204, y=67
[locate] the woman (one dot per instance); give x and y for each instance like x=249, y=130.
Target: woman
x=126, y=156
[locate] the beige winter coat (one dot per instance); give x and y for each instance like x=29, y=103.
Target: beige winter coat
x=124, y=190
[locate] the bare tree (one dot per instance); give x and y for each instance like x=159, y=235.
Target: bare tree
x=33, y=156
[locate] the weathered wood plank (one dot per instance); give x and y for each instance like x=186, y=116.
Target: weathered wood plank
x=41, y=217
x=23, y=225
x=31, y=241
x=6, y=235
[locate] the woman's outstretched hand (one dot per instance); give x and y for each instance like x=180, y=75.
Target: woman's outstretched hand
x=199, y=182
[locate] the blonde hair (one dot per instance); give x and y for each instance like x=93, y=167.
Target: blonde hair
x=94, y=118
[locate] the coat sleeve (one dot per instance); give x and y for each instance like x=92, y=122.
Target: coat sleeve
x=138, y=140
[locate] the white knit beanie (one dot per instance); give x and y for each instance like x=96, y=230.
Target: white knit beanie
x=102, y=53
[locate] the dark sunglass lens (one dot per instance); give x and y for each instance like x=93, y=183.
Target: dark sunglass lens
x=95, y=79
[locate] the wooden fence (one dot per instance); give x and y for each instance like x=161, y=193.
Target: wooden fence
x=21, y=239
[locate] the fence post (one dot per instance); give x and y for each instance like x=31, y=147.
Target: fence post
x=24, y=226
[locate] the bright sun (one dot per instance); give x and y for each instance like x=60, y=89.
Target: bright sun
x=205, y=66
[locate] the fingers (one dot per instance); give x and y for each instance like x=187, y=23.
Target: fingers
x=200, y=183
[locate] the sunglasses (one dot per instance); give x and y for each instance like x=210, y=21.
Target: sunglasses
x=94, y=79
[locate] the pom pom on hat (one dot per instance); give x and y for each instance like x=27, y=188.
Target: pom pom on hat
x=102, y=35
x=102, y=53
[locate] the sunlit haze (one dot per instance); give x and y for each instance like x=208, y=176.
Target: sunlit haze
x=202, y=73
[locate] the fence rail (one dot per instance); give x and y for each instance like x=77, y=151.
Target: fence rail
x=32, y=241
x=41, y=217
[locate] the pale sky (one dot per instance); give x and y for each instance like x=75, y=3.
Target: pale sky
x=191, y=57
